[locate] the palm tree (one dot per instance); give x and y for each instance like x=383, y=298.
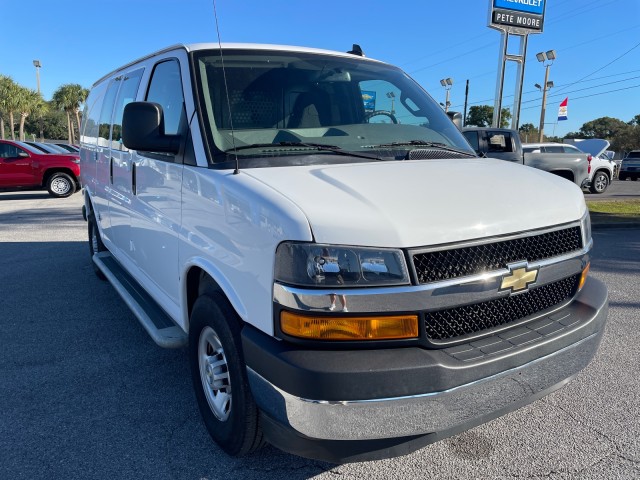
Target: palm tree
x=68, y=97
x=5, y=88
x=9, y=97
x=28, y=101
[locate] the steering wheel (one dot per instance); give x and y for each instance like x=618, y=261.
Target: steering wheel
x=370, y=115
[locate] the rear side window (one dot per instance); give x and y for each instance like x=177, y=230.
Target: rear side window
x=634, y=154
x=554, y=149
x=499, y=142
x=166, y=89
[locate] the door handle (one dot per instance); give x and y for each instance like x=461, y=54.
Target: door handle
x=133, y=178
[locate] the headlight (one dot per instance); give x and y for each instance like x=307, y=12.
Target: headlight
x=586, y=228
x=312, y=264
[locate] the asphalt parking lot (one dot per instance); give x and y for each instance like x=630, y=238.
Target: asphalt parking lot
x=86, y=394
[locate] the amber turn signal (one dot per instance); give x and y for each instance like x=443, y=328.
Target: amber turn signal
x=583, y=277
x=349, y=328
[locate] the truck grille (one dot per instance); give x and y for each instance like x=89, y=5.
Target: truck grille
x=454, y=322
x=459, y=262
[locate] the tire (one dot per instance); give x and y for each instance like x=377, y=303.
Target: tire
x=61, y=185
x=219, y=376
x=599, y=183
x=622, y=176
x=634, y=178
x=95, y=244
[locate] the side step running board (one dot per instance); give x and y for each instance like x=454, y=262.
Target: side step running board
x=155, y=321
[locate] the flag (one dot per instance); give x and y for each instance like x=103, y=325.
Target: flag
x=562, y=111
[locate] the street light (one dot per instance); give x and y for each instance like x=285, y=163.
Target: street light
x=546, y=58
x=392, y=96
x=447, y=83
x=37, y=64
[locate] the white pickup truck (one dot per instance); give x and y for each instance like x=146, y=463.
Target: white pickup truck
x=349, y=279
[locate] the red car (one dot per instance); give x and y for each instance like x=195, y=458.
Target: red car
x=24, y=167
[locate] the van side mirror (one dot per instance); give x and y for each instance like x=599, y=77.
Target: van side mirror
x=456, y=118
x=143, y=129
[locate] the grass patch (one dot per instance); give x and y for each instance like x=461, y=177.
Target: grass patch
x=624, y=208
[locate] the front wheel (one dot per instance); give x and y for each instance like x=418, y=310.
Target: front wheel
x=61, y=185
x=599, y=183
x=220, y=377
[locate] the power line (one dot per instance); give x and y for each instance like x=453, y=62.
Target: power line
x=592, y=95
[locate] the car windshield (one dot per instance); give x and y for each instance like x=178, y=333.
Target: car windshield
x=327, y=108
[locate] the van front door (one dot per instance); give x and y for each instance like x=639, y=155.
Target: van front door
x=157, y=196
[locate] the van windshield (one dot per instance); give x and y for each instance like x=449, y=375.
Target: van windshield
x=329, y=108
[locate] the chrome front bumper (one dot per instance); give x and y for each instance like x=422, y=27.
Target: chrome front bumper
x=428, y=413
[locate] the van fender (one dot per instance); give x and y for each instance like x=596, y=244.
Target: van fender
x=216, y=274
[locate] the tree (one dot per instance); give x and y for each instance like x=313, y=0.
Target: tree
x=603, y=127
x=527, y=131
x=635, y=121
x=27, y=101
x=482, y=116
x=68, y=98
x=9, y=102
x=5, y=89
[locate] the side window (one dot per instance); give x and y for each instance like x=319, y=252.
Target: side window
x=554, y=149
x=8, y=151
x=107, y=109
x=166, y=89
x=499, y=142
x=472, y=138
x=91, y=116
x=570, y=149
x=127, y=94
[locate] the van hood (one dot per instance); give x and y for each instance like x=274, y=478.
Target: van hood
x=426, y=202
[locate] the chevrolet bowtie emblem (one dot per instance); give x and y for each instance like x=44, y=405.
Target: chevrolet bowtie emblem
x=518, y=279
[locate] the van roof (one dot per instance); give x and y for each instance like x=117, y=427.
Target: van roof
x=192, y=47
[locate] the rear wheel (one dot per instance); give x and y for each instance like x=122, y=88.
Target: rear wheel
x=61, y=185
x=622, y=176
x=219, y=376
x=599, y=183
x=95, y=244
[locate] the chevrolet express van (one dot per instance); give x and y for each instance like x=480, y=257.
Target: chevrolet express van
x=349, y=279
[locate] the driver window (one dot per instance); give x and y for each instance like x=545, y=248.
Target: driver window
x=9, y=151
x=382, y=104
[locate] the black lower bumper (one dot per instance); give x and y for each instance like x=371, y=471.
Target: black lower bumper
x=355, y=405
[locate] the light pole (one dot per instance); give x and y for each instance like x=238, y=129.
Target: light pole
x=447, y=83
x=37, y=64
x=392, y=96
x=547, y=60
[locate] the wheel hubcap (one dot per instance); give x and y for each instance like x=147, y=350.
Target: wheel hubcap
x=60, y=186
x=601, y=183
x=214, y=374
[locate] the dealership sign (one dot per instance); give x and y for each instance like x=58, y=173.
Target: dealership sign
x=519, y=16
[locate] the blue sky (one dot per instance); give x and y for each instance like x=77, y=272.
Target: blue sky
x=597, y=44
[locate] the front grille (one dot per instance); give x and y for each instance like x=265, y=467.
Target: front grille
x=459, y=262
x=458, y=321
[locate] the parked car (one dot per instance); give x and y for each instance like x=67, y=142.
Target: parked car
x=602, y=169
x=25, y=167
x=630, y=166
x=350, y=280
x=68, y=147
x=504, y=143
x=46, y=147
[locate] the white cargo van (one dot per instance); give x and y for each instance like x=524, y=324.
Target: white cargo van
x=350, y=280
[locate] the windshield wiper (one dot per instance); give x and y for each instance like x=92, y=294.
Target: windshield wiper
x=423, y=143
x=315, y=146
